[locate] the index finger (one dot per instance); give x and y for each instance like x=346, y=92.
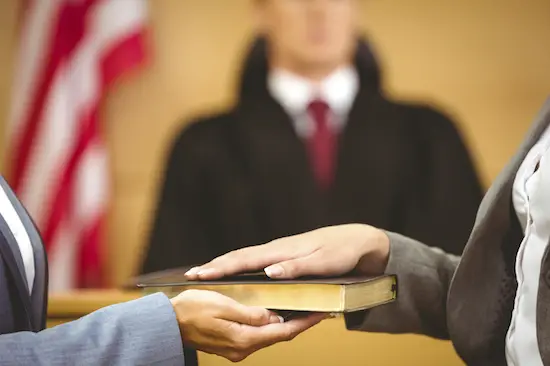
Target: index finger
x=248, y=259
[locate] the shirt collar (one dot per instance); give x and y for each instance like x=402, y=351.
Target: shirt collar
x=294, y=92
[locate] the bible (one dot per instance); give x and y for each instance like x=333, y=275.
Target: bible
x=306, y=294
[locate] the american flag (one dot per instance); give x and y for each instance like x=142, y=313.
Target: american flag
x=70, y=53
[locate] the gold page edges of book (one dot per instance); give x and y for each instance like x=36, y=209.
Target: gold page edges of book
x=316, y=296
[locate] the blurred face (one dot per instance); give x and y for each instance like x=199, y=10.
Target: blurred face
x=309, y=33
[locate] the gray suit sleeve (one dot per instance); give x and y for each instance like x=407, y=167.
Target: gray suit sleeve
x=139, y=332
x=423, y=278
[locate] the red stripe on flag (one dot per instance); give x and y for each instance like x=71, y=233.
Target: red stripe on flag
x=70, y=29
x=127, y=55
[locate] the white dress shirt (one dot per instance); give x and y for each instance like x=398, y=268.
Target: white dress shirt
x=531, y=199
x=294, y=93
x=9, y=214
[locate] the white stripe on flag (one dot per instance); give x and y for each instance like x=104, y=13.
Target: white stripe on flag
x=91, y=185
x=62, y=259
x=36, y=32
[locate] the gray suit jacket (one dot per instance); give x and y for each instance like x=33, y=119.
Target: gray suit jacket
x=468, y=300
x=141, y=332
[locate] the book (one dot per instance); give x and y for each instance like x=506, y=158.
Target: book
x=306, y=294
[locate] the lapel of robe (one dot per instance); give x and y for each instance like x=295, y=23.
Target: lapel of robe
x=488, y=262
x=289, y=202
x=11, y=254
x=39, y=296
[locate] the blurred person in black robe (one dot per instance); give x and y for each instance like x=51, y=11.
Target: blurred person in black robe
x=312, y=141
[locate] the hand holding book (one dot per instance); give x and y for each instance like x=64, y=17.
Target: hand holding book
x=216, y=324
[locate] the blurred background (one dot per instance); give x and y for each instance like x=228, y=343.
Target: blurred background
x=485, y=63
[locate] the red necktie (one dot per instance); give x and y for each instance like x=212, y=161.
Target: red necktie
x=322, y=144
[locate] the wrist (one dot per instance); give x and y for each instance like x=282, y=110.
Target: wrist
x=180, y=318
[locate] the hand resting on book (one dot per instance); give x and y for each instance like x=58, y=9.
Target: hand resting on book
x=330, y=251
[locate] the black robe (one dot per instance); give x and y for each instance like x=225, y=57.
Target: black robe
x=242, y=177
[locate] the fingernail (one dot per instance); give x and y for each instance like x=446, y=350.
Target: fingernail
x=274, y=271
x=276, y=319
x=193, y=271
